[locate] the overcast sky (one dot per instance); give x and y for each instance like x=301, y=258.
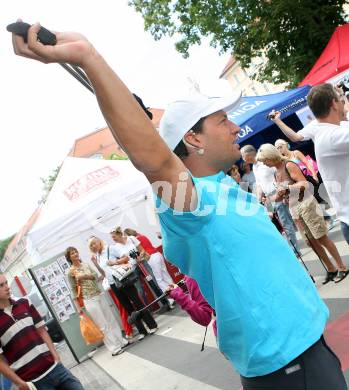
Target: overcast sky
x=44, y=109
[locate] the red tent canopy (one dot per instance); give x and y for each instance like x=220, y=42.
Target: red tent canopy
x=333, y=60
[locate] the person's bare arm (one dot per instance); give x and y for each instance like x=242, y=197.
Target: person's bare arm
x=7, y=371
x=99, y=268
x=289, y=133
x=309, y=166
x=142, y=253
x=85, y=277
x=119, y=261
x=47, y=339
x=296, y=175
x=260, y=194
x=128, y=123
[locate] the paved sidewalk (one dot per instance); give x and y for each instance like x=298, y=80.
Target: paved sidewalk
x=171, y=359
x=91, y=375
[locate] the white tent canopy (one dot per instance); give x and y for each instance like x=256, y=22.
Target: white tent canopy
x=90, y=197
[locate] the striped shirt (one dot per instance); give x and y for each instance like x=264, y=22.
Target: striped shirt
x=21, y=344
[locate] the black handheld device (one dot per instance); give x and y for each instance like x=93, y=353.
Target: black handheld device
x=45, y=36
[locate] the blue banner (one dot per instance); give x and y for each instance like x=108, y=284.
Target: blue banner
x=251, y=114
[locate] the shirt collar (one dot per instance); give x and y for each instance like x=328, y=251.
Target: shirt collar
x=216, y=177
x=12, y=303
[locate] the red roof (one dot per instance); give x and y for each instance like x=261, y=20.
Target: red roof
x=100, y=141
x=333, y=60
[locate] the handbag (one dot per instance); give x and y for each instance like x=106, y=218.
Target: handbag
x=123, y=276
x=89, y=330
x=304, y=168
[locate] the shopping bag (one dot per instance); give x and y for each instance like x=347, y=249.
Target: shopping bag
x=89, y=330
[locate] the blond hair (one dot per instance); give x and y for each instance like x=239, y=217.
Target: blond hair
x=90, y=241
x=280, y=141
x=117, y=230
x=130, y=232
x=269, y=152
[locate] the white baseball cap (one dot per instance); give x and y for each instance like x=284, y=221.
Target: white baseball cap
x=181, y=115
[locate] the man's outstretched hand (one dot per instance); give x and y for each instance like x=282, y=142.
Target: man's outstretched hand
x=72, y=48
x=274, y=115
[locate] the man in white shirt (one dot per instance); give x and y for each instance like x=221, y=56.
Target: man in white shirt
x=330, y=134
x=265, y=188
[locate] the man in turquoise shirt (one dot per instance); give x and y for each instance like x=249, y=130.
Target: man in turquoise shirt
x=270, y=317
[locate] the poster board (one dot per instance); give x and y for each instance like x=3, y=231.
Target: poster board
x=51, y=279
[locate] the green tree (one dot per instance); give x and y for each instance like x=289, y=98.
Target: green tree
x=4, y=244
x=288, y=35
x=115, y=156
x=48, y=183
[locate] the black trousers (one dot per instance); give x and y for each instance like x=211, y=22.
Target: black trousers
x=157, y=291
x=128, y=297
x=153, y=285
x=318, y=368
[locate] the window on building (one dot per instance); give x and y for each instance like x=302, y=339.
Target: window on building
x=254, y=90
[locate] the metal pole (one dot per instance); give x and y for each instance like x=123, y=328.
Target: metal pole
x=315, y=251
x=301, y=259
x=78, y=75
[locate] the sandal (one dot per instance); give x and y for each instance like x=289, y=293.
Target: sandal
x=341, y=275
x=330, y=276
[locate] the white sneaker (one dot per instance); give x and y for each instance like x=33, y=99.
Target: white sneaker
x=152, y=331
x=91, y=353
x=117, y=352
x=171, y=303
x=128, y=341
x=140, y=337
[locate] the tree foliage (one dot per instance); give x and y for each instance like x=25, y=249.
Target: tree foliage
x=288, y=35
x=3, y=246
x=48, y=183
x=115, y=156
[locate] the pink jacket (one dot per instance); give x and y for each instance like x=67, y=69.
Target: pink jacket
x=194, y=303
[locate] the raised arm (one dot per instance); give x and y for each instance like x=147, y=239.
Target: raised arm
x=142, y=253
x=127, y=121
x=289, y=133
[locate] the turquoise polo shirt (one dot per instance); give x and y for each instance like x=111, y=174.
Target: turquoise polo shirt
x=268, y=309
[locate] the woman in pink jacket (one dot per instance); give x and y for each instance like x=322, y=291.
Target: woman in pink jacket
x=193, y=303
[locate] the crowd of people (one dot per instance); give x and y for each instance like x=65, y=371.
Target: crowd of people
x=270, y=318
x=281, y=183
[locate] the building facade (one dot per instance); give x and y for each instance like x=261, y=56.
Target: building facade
x=16, y=259
x=101, y=143
x=240, y=78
